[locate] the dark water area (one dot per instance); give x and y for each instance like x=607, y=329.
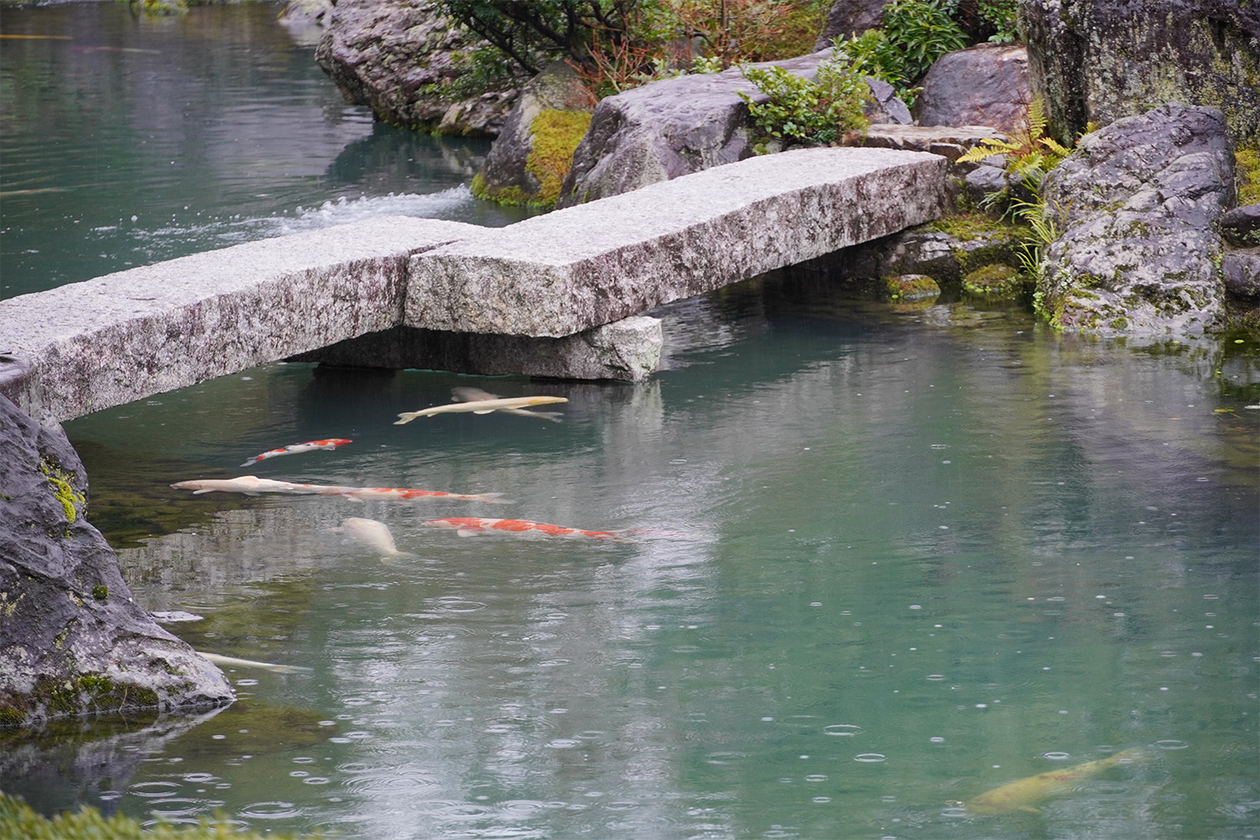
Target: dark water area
x=129, y=139
x=875, y=560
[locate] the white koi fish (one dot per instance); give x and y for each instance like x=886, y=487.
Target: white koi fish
x=295, y=448
x=478, y=407
x=233, y=662
x=471, y=526
x=1019, y=795
x=250, y=485
x=477, y=395
x=375, y=535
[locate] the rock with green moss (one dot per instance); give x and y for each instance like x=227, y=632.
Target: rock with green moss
x=532, y=155
x=1136, y=209
x=72, y=641
x=912, y=287
x=995, y=281
x=1101, y=60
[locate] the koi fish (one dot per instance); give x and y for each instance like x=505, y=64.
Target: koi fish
x=295, y=448
x=403, y=494
x=478, y=407
x=468, y=527
x=1018, y=795
x=478, y=395
x=250, y=485
x=233, y=662
x=375, y=535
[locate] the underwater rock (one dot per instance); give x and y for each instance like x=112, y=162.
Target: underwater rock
x=72, y=640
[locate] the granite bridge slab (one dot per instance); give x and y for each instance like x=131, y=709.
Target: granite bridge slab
x=556, y=295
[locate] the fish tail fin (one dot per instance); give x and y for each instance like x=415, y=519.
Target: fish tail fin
x=406, y=417
x=492, y=498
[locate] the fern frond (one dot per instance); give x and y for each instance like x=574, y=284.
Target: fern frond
x=987, y=148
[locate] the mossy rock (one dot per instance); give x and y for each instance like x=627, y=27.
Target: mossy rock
x=912, y=287
x=995, y=281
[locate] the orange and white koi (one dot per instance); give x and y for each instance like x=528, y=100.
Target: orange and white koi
x=478, y=407
x=471, y=526
x=405, y=494
x=250, y=485
x=295, y=448
x=1020, y=795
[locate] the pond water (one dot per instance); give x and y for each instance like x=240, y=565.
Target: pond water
x=877, y=560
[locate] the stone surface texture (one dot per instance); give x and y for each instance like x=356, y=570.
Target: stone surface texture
x=983, y=85
x=1137, y=206
x=1100, y=60
x=628, y=350
x=847, y=18
x=72, y=640
x=667, y=129
x=388, y=55
x=121, y=337
x=577, y=268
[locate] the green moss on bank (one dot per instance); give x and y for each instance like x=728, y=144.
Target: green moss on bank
x=1247, y=173
x=556, y=136
x=17, y=819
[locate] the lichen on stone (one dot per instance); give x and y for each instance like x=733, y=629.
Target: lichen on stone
x=63, y=489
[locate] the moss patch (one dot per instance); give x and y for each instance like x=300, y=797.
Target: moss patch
x=1247, y=173
x=62, y=489
x=556, y=135
x=994, y=281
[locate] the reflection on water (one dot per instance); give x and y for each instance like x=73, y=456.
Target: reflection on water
x=130, y=139
x=894, y=558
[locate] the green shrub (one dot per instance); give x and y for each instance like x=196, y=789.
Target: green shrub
x=915, y=33
x=820, y=110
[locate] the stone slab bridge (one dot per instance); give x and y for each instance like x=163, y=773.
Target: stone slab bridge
x=556, y=295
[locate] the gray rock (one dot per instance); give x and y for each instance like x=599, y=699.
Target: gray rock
x=304, y=20
x=72, y=640
x=984, y=85
x=1240, y=271
x=885, y=107
x=947, y=141
x=507, y=174
x=1241, y=226
x=667, y=129
x=926, y=251
x=1100, y=60
x=572, y=269
x=846, y=18
x=391, y=55
x=1137, y=206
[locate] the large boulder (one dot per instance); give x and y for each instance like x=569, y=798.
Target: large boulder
x=983, y=85
x=847, y=18
x=395, y=56
x=679, y=126
x=1100, y=60
x=531, y=156
x=1136, y=207
x=72, y=640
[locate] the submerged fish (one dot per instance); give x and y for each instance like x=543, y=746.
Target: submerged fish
x=404, y=494
x=1019, y=795
x=250, y=485
x=233, y=662
x=470, y=526
x=375, y=535
x=468, y=395
x=295, y=448
x=478, y=407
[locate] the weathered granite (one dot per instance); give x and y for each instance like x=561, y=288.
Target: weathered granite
x=1240, y=227
x=925, y=251
x=127, y=335
x=583, y=266
x=1137, y=205
x=1100, y=60
x=628, y=350
x=945, y=140
x=72, y=640
x=666, y=129
x=983, y=85
x=1240, y=272
x=847, y=18
x=394, y=56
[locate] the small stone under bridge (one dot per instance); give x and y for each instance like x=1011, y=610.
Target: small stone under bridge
x=556, y=295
